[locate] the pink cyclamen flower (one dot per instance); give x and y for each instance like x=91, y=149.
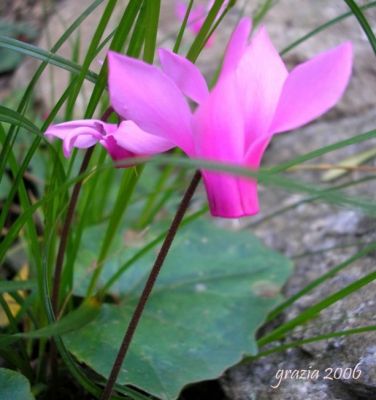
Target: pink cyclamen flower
x=122, y=141
x=254, y=99
x=197, y=16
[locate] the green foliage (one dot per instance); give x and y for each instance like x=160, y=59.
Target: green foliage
x=214, y=292
x=71, y=322
x=10, y=59
x=14, y=386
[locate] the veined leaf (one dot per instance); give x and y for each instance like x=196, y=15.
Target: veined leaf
x=215, y=290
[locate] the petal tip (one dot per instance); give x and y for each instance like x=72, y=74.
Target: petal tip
x=245, y=22
x=67, y=148
x=162, y=53
x=347, y=48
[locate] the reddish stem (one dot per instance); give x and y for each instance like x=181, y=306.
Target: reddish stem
x=68, y=223
x=61, y=254
x=149, y=286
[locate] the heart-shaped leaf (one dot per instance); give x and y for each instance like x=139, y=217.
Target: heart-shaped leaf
x=14, y=386
x=215, y=290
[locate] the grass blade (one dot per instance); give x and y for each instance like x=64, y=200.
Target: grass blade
x=356, y=10
x=44, y=55
x=314, y=310
x=323, y=27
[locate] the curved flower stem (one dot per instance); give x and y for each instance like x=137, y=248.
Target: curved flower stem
x=61, y=253
x=65, y=234
x=149, y=286
x=68, y=222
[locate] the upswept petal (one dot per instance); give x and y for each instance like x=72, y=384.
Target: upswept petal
x=236, y=46
x=313, y=87
x=185, y=74
x=218, y=124
x=133, y=139
x=80, y=133
x=142, y=93
x=261, y=74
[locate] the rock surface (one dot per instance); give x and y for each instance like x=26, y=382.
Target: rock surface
x=310, y=229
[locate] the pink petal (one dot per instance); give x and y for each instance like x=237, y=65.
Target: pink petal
x=236, y=45
x=62, y=129
x=79, y=138
x=116, y=152
x=255, y=152
x=133, y=139
x=219, y=136
x=260, y=76
x=185, y=74
x=80, y=133
x=219, y=125
x=313, y=87
x=197, y=12
x=210, y=41
x=196, y=18
x=230, y=196
x=249, y=186
x=181, y=10
x=144, y=94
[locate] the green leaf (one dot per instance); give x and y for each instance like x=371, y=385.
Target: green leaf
x=72, y=321
x=215, y=290
x=153, y=9
x=323, y=27
x=199, y=41
x=40, y=54
x=10, y=116
x=363, y=22
x=312, y=339
x=314, y=310
x=14, y=386
x=14, y=286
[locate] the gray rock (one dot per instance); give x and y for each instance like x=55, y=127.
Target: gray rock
x=306, y=230
x=309, y=230
x=253, y=381
x=273, y=378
